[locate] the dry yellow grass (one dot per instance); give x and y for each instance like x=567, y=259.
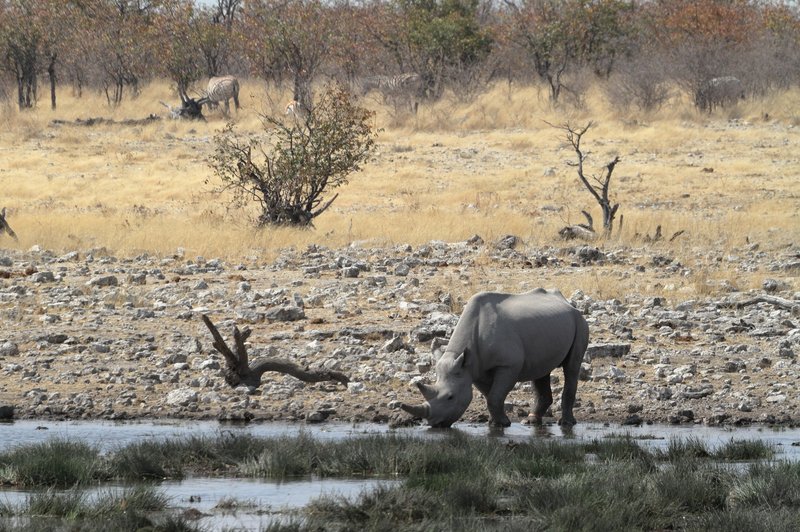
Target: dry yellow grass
x=491, y=167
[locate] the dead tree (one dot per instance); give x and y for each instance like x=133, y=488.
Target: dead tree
x=190, y=108
x=5, y=228
x=598, y=189
x=240, y=371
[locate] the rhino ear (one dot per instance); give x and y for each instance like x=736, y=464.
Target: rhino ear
x=461, y=360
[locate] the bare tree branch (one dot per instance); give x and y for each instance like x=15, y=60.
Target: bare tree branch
x=239, y=372
x=601, y=189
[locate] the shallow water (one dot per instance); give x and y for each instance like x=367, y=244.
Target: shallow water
x=108, y=435
x=258, y=502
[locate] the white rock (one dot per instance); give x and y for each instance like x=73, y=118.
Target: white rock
x=181, y=397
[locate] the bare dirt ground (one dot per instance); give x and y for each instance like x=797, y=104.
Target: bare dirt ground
x=122, y=247
x=89, y=335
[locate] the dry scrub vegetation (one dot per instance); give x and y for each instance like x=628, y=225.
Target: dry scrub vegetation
x=491, y=166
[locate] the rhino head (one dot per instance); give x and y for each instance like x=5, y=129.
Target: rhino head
x=448, y=399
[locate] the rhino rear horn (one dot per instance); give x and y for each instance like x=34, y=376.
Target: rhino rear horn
x=428, y=392
x=422, y=411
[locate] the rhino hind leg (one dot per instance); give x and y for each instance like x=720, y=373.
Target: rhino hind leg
x=568, y=396
x=544, y=398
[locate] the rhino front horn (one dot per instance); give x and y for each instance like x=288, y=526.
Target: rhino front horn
x=427, y=391
x=417, y=410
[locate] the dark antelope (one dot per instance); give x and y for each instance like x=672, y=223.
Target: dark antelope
x=4, y=227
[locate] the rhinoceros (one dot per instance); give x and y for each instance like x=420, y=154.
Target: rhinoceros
x=500, y=340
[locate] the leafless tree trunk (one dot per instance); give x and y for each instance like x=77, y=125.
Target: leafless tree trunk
x=239, y=371
x=599, y=185
x=51, y=74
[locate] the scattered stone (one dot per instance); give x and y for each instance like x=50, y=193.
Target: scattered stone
x=9, y=349
x=43, y=277
x=102, y=281
x=285, y=313
x=606, y=351
x=181, y=397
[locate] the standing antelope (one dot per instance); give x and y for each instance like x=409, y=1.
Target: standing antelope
x=296, y=110
x=222, y=89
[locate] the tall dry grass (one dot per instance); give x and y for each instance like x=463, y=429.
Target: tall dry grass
x=491, y=166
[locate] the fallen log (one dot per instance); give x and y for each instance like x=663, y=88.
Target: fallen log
x=240, y=372
x=775, y=301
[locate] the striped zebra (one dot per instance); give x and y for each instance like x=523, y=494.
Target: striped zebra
x=222, y=89
x=387, y=85
x=407, y=86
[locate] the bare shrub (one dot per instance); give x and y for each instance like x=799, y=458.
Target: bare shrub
x=696, y=64
x=640, y=82
x=575, y=83
x=290, y=173
x=773, y=63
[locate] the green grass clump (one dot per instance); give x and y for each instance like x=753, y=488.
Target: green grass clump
x=746, y=450
x=55, y=463
x=616, y=449
x=128, y=509
x=768, y=486
x=685, y=448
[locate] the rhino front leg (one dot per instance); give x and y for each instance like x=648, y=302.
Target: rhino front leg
x=544, y=398
x=502, y=383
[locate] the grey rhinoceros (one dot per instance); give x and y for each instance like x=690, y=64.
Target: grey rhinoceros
x=500, y=340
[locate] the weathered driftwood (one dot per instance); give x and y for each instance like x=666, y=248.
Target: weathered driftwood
x=4, y=227
x=579, y=231
x=190, y=108
x=775, y=301
x=240, y=372
x=658, y=236
x=98, y=121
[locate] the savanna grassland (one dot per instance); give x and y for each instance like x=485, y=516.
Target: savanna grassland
x=492, y=166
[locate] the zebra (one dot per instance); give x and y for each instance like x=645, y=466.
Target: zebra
x=406, y=86
x=719, y=92
x=401, y=83
x=222, y=89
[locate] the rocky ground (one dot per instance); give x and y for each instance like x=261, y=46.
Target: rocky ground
x=89, y=335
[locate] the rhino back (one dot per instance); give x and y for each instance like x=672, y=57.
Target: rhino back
x=534, y=331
